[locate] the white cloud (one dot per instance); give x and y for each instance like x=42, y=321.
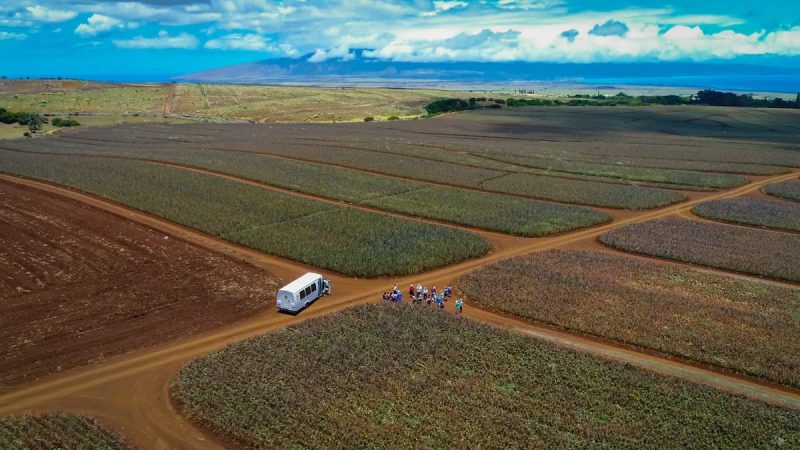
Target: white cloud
x=96, y=24
x=7, y=36
x=341, y=52
x=162, y=41
x=529, y=4
x=42, y=14
x=442, y=6
x=235, y=41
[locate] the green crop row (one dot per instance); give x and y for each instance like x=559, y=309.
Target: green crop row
x=777, y=214
x=477, y=209
x=583, y=192
x=746, y=326
x=402, y=376
x=758, y=252
x=644, y=174
x=789, y=190
x=354, y=186
x=342, y=239
x=57, y=431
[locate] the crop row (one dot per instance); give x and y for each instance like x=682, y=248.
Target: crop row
x=342, y=239
x=753, y=211
x=583, y=192
x=400, y=376
x=313, y=179
x=57, y=431
x=682, y=177
x=460, y=206
x=462, y=157
x=699, y=157
x=758, y=252
x=789, y=190
x=721, y=320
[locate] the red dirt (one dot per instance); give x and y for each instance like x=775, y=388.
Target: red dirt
x=78, y=284
x=149, y=419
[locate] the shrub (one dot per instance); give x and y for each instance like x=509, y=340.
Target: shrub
x=59, y=122
x=369, y=119
x=393, y=118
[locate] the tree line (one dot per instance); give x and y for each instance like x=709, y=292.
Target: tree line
x=705, y=97
x=34, y=121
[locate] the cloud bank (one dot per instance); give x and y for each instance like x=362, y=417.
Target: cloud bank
x=419, y=30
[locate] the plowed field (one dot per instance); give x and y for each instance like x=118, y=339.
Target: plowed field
x=78, y=284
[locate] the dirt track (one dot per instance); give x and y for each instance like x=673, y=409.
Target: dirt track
x=130, y=393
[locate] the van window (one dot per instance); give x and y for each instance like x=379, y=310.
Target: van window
x=313, y=288
x=302, y=294
x=308, y=290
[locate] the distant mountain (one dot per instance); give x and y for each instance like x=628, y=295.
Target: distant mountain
x=358, y=69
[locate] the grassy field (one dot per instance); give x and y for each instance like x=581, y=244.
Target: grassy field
x=345, y=240
x=776, y=214
x=488, y=211
x=789, y=190
x=386, y=376
x=299, y=104
x=757, y=252
x=148, y=99
x=57, y=431
x=746, y=326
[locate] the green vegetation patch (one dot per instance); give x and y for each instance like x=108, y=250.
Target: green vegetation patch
x=753, y=211
x=789, y=190
x=758, y=252
x=583, y=192
x=747, y=326
x=399, y=376
x=117, y=99
x=644, y=174
x=491, y=211
x=342, y=239
x=57, y=431
x=476, y=209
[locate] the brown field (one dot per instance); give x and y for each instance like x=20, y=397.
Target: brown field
x=79, y=285
x=742, y=325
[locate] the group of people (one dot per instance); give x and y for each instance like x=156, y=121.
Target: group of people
x=417, y=294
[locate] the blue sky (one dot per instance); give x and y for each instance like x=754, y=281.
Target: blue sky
x=154, y=39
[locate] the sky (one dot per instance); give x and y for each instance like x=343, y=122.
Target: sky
x=156, y=39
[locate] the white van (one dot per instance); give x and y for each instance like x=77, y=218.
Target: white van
x=301, y=292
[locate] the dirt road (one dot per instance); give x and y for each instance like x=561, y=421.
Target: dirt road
x=130, y=393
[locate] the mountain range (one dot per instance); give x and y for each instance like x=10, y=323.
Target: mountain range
x=358, y=69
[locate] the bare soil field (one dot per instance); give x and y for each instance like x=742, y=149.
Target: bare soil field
x=79, y=285
x=758, y=252
x=721, y=320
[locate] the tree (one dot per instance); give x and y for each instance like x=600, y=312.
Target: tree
x=797, y=101
x=35, y=122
